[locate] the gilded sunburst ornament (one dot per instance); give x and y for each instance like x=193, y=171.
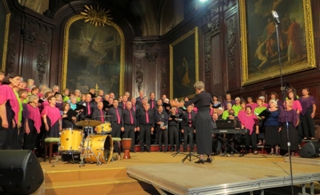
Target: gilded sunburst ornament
x=96, y=15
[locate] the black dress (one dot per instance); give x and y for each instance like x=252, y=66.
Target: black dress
x=203, y=123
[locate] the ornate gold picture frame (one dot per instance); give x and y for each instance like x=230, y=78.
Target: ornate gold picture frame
x=4, y=34
x=93, y=57
x=184, y=65
x=259, y=41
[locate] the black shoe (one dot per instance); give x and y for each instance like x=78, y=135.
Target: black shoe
x=160, y=150
x=132, y=151
x=209, y=160
x=200, y=161
x=142, y=151
x=172, y=150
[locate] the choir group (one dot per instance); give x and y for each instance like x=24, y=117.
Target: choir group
x=29, y=114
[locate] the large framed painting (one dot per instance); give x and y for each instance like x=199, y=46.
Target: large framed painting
x=260, y=56
x=93, y=56
x=4, y=32
x=184, y=65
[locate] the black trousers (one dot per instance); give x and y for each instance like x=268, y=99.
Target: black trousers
x=307, y=124
x=174, y=136
x=31, y=138
x=116, y=132
x=163, y=134
x=129, y=133
x=156, y=133
x=145, y=136
x=251, y=139
x=116, y=129
x=188, y=133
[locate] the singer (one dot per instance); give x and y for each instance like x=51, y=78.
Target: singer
x=203, y=126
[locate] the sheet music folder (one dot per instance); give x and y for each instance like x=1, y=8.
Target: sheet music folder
x=265, y=113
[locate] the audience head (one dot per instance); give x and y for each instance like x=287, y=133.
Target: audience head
x=128, y=105
x=55, y=89
x=23, y=93
x=273, y=103
x=100, y=105
x=65, y=106
x=12, y=79
x=199, y=86
x=98, y=99
x=33, y=99
x=34, y=90
x=274, y=95
x=115, y=103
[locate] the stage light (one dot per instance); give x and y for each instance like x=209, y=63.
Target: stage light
x=202, y=1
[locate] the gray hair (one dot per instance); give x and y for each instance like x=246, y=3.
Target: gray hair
x=199, y=85
x=55, y=86
x=31, y=98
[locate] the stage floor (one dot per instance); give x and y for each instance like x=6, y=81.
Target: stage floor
x=230, y=175
x=226, y=175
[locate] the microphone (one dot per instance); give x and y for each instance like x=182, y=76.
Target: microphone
x=275, y=16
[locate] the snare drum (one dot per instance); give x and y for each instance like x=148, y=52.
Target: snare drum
x=98, y=148
x=70, y=140
x=104, y=128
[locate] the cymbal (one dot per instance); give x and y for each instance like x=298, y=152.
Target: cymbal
x=92, y=123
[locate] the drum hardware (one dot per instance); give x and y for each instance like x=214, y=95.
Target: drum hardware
x=70, y=142
x=91, y=123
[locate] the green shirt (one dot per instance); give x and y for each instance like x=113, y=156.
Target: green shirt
x=236, y=109
x=258, y=110
x=20, y=110
x=225, y=114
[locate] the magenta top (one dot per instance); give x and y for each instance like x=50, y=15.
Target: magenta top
x=7, y=94
x=45, y=103
x=40, y=95
x=265, y=105
x=241, y=114
x=53, y=114
x=249, y=121
x=34, y=114
x=296, y=105
x=195, y=109
x=252, y=105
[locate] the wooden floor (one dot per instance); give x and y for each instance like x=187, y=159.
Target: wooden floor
x=112, y=178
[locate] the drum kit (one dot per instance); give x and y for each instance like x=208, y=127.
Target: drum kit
x=94, y=147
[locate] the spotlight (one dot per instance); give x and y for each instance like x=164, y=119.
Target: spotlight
x=202, y=1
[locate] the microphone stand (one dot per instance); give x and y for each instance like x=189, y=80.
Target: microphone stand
x=284, y=99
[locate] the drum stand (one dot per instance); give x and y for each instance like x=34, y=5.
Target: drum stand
x=189, y=155
x=57, y=157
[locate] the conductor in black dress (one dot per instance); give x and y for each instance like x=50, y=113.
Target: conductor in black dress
x=203, y=126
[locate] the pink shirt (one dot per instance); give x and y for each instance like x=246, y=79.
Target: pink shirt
x=249, y=121
x=34, y=114
x=7, y=94
x=296, y=105
x=241, y=114
x=53, y=114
